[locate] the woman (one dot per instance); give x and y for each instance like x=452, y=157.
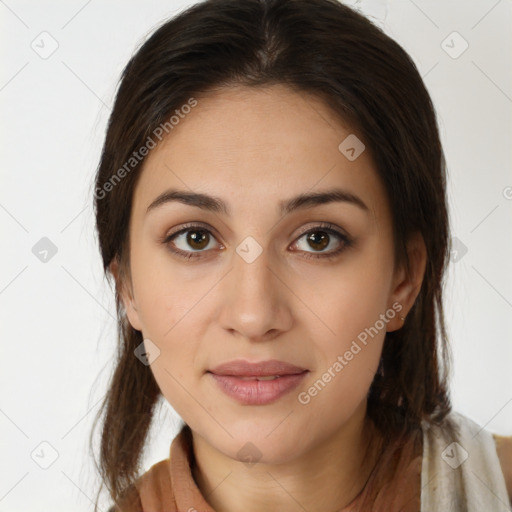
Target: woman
x=271, y=203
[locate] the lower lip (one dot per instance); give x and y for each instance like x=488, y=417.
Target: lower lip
x=258, y=392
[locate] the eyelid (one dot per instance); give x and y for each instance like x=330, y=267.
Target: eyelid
x=328, y=226
x=190, y=226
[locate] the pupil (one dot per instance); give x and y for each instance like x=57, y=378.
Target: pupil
x=322, y=239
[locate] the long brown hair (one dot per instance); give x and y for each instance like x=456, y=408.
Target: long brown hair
x=324, y=48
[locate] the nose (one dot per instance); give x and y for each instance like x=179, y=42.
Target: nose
x=255, y=299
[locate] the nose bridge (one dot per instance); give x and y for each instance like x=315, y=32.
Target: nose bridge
x=251, y=266
x=253, y=301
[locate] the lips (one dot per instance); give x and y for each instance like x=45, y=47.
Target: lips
x=270, y=368
x=257, y=383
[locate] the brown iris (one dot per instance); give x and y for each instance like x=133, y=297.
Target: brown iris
x=318, y=237
x=199, y=237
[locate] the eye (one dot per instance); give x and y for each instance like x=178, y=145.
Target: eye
x=320, y=238
x=193, y=240
x=190, y=240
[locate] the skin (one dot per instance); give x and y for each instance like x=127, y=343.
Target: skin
x=254, y=148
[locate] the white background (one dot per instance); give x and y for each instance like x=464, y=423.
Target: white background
x=57, y=318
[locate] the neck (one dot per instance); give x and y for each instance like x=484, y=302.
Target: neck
x=315, y=481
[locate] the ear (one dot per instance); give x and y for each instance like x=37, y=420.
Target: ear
x=406, y=286
x=126, y=294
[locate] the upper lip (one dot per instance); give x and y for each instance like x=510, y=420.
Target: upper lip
x=241, y=368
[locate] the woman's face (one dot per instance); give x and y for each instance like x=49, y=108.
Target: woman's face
x=267, y=279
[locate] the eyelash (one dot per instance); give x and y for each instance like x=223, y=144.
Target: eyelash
x=323, y=227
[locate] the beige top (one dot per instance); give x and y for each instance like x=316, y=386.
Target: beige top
x=461, y=470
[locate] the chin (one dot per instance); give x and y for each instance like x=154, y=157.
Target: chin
x=261, y=442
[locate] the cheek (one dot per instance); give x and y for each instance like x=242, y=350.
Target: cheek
x=167, y=293
x=349, y=331
x=172, y=372
x=345, y=299
x=170, y=308
x=347, y=360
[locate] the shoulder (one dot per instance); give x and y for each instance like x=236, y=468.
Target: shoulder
x=448, y=444
x=504, y=450
x=152, y=485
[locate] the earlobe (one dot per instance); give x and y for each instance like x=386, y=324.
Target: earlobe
x=406, y=286
x=124, y=291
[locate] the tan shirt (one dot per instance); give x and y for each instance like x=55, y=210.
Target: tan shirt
x=169, y=486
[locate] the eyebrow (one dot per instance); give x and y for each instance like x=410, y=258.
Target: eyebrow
x=300, y=202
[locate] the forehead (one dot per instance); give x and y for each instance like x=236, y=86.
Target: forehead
x=258, y=146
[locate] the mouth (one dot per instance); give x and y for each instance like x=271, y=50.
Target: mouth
x=271, y=368
x=257, y=383
x=267, y=377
